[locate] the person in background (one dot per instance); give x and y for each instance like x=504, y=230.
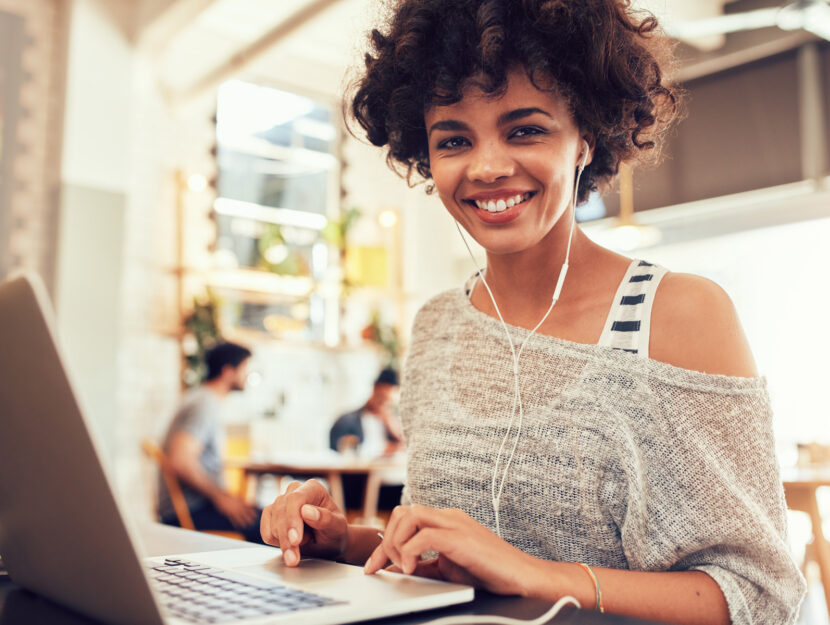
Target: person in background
x=373, y=429
x=193, y=445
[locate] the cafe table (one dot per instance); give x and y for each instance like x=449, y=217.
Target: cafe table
x=800, y=487
x=332, y=468
x=21, y=607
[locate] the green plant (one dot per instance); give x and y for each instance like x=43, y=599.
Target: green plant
x=336, y=231
x=291, y=264
x=386, y=337
x=201, y=333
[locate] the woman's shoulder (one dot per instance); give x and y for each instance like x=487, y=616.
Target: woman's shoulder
x=446, y=302
x=694, y=325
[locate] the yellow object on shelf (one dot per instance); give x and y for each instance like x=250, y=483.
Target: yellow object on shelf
x=367, y=265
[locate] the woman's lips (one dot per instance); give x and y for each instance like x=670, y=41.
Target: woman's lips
x=501, y=209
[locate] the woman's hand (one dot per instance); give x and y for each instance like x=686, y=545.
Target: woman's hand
x=469, y=553
x=305, y=518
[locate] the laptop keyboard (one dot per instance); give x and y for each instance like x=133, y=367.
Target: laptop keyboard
x=201, y=594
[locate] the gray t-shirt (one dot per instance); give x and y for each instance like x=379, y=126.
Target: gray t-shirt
x=199, y=416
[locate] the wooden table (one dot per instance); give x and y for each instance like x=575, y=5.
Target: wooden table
x=332, y=471
x=800, y=486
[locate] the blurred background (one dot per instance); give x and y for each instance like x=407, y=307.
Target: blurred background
x=178, y=171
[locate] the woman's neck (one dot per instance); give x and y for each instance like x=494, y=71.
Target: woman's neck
x=523, y=284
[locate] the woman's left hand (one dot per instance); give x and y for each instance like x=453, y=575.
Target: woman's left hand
x=469, y=553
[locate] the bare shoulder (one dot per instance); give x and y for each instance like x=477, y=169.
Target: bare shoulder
x=694, y=325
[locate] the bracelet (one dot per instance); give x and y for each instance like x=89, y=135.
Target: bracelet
x=598, y=607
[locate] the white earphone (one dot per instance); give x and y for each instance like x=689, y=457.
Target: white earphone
x=517, y=397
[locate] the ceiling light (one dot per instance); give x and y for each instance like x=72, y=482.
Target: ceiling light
x=197, y=183
x=388, y=218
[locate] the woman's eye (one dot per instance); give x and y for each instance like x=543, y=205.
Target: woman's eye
x=453, y=143
x=526, y=131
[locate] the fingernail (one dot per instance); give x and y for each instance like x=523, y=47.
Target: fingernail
x=293, y=536
x=310, y=512
x=290, y=557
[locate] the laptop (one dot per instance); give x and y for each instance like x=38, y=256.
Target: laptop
x=64, y=536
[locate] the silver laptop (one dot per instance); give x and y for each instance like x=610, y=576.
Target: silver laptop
x=62, y=534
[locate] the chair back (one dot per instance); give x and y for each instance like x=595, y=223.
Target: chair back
x=153, y=451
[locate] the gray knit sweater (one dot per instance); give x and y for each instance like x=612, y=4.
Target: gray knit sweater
x=623, y=461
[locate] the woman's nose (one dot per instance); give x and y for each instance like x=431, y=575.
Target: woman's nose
x=489, y=162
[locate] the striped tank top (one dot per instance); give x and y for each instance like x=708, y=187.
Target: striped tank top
x=628, y=324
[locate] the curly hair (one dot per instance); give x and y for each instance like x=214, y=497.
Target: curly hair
x=606, y=59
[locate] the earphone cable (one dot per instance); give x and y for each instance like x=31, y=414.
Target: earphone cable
x=517, y=397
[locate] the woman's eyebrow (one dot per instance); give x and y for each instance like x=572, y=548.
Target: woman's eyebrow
x=512, y=116
x=448, y=124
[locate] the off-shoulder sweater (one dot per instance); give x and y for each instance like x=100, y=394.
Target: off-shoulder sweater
x=623, y=461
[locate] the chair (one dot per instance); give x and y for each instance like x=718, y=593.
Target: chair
x=153, y=451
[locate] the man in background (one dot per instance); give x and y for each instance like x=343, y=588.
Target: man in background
x=194, y=444
x=373, y=430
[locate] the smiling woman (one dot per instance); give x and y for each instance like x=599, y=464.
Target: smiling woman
x=577, y=422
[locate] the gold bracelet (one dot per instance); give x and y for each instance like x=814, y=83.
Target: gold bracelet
x=598, y=607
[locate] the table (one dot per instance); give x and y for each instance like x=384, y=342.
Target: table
x=800, y=486
x=332, y=470
x=20, y=607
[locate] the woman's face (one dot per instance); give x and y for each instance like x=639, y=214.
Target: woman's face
x=505, y=167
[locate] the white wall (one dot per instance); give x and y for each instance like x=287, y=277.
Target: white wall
x=99, y=91
x=777, y=278
x=94, y=177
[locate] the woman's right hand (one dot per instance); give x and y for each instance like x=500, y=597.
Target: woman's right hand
x=305, y=519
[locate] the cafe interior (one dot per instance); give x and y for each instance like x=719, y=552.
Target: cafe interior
x=179, y=173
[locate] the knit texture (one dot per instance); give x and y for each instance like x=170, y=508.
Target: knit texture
x=623, y=461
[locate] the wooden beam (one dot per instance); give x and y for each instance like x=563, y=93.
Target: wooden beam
x=162, y=28
x=246, y=56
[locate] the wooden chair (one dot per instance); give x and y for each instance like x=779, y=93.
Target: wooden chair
x=803, y=496
x=153, y=451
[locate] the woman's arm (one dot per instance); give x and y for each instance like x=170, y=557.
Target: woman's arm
x=671, y=597
x=470, y=553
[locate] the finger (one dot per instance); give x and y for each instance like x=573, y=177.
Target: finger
x=398, y=512
x=408, y=521
x=425, y=540
x=265, y=528
x=279, y=529
x=394, y=538
x=291, y=525
x=376, y=561
x=316, y=517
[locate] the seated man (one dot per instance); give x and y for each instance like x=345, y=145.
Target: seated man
x=194, y=446
x=373, y=431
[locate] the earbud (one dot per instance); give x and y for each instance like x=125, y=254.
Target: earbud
x=584, y=156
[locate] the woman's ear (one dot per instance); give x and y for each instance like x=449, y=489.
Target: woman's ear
x=586, y=154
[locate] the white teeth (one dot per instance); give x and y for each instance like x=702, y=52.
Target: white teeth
x=497, y=206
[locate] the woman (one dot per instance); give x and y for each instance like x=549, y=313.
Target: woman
x=571, y=428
